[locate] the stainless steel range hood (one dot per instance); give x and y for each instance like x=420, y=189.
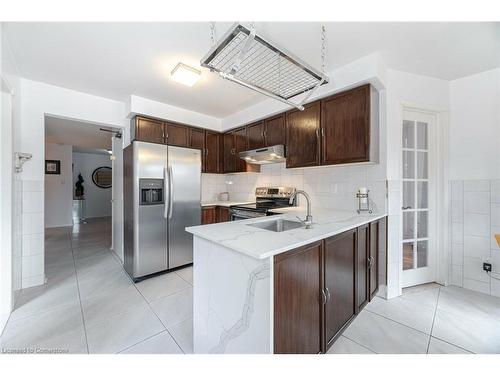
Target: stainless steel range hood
x=266, y=155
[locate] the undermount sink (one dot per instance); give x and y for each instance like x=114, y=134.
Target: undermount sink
x=277, y=225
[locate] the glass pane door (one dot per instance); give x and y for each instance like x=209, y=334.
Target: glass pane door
x=415, y=199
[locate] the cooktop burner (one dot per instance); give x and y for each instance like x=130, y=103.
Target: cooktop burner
x=268, y=198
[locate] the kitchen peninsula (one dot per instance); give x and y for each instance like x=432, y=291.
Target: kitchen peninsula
x=292, y=291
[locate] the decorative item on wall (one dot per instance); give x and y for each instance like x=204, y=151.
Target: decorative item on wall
x=52, y=167
x=79, y=189
x=102, y=177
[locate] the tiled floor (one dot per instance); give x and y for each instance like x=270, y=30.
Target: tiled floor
x=90, y=305
x=427, y=319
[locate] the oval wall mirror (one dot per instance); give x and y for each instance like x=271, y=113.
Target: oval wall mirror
x=102, y=177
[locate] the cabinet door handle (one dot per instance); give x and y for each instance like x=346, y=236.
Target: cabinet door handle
x=317, y=133
x=324, y=299
x=206, y=152
x=369, y=262
x=328, y=295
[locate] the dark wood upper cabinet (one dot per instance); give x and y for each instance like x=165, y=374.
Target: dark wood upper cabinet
x=373, y=258
x=340, y=279
x=240, y=144
x=362, y=254
x=302, y=137
x=148, y=130
x=297, y=300
x=345, y=127
x=197, y=140
x=212, y=154
x=255, y=135
x=177, y=135
x=274, y=130
x=229, y=150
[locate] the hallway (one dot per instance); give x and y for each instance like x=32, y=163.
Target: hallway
x=90, y=305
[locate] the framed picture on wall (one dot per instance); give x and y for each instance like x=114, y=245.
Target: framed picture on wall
x=52, y=167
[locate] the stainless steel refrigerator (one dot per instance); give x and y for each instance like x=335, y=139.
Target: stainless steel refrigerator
x=162, y=192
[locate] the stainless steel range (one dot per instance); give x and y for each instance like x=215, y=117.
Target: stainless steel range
x=266, y=199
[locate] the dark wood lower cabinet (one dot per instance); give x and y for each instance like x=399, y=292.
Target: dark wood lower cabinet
x=362, y=255
x=214, y=214
x=208, y=215
x=319, y=288
x=373, y=258
x=297, y=300
x=339, y=282
x=222, y=214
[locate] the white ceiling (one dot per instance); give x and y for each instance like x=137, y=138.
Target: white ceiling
x=116, y=60
x=84, y=137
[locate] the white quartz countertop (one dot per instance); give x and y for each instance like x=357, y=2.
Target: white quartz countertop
x=224, y=203
x=262, y=243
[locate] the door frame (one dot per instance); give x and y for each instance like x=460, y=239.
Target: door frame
x=442, y=191
x=6, y=211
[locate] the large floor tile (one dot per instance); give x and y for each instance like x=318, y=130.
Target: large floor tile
x=161, y=286
x=425, y=296
x=186, y=274
x=385, y=336
x=343, y=345
x=476, y=335
x=55, y=294
x=118, y=332
x=98, y=283
x=161, y=343
x=404, y=311
x=183, y=335
x=60, y=328
x=175, y=308
x=437, y=346
x=469, y=304
x=104, y=305
x=90, y=251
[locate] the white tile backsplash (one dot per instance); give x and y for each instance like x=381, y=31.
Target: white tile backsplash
x=331, y=187
x=477, y=185
x=476, y=246
x=457, y=254
x=475, y=219
x=477, y=202
x=478, y=286
x=477, y=225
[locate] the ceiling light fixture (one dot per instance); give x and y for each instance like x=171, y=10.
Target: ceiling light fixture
x=185, y=74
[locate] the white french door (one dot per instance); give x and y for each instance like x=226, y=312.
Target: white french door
x=418, y=248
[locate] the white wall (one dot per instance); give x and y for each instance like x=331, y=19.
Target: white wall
x=58, y=187
x=406, y=89
x=475, y=126
x=139, y=105
x=475, y=180
x=37, y=100
x=11, y=191
x=97, y=200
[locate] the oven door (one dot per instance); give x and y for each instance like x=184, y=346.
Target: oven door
x=239, y=214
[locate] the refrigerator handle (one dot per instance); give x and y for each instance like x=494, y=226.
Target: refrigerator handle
x=165, y=210
x=170, y=192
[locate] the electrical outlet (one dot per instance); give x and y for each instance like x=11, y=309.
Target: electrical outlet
x=487, y=267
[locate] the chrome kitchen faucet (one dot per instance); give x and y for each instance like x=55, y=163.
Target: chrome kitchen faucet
x=309, y=218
